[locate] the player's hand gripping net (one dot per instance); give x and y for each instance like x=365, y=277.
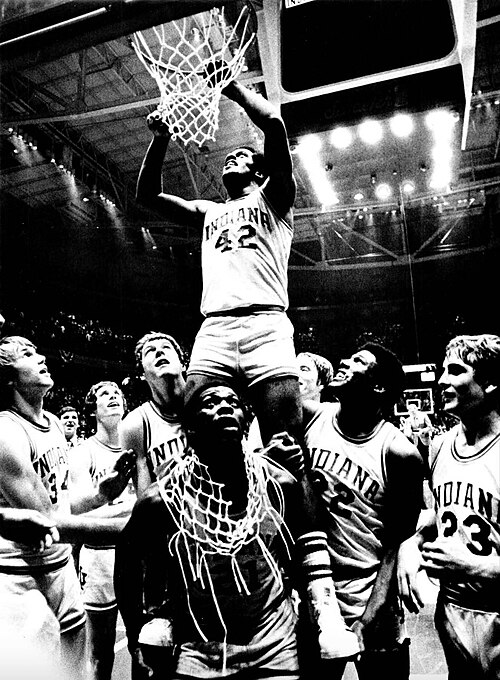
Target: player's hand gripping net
x=192, y=62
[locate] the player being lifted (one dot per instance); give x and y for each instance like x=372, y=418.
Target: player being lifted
x=246, y=244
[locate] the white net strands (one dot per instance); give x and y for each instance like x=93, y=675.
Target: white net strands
x=192, y=60
x=205, y=526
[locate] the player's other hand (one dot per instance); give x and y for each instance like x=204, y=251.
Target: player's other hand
x=28, y=527
x=115, y=482
x=156, y=125
x=284, y=450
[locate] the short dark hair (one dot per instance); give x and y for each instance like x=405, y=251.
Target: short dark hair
x=259, y=162
x=67, y=409
x=388, y=372
x=153, y=335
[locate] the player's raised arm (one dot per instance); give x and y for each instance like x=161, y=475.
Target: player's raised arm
x=149, y=190
x=281, y=186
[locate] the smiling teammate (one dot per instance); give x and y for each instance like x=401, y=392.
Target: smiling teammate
x=369, y=478
x=459, y=542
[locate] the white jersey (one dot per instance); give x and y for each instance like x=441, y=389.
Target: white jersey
x=466, y=492
x=163, y=437
x=351, y=478
x=245, y=251
x=49, y=457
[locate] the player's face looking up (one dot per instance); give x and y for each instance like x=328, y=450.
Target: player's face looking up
x=356, y=371
x=159, y=358
x=219, y=414
x=459, y=389
x=109, y=402
x=29, y=366
x=239, y=161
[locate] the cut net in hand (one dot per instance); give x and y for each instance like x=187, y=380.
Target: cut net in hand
x=206, y=527
x=192, y=62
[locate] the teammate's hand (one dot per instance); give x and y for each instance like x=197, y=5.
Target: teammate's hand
x=157, y=126
x=28, y=527
x=409, y=564
x=141, y=670
x=451, y=559
x=115, y=481
x=284, y=450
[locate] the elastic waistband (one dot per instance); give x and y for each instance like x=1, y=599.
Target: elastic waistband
x=99, y=547
x=246, y=311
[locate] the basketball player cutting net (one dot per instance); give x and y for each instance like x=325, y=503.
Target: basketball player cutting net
x=246, y=241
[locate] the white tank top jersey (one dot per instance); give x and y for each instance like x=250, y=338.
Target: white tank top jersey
x=466, y=493
x=49, y=457
x=352, y=480
x=102, y=457
x=163, y=437
x=245, y=251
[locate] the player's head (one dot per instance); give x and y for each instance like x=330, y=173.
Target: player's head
x=215, y=413
x=471, y=371
x=68, y=416
x=387, y=373
x=21, y=366
x=373, y=374
x=158, y=354
x=242, y=166
x=105, y=399
x=315, y=373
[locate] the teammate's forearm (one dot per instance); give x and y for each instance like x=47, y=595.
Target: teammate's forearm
x=90, y=530
x=150, y=182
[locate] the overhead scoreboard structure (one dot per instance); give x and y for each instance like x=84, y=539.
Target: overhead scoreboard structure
x=330, y=62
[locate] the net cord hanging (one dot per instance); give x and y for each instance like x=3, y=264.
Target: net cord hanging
x=205, y=527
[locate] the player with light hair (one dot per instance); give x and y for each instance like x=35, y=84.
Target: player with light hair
x=459, y=540
x=90, y=461
x=153, y=430
x=41, y=600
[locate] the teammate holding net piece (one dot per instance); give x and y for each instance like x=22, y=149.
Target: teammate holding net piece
x=246, y=334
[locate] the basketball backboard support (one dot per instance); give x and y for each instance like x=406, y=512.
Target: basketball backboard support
x=331, y=62
x=422, y=397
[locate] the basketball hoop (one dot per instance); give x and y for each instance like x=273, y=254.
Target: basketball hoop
x=192, y=60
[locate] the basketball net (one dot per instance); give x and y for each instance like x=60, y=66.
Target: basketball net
x=189, y=103
x=205, y=526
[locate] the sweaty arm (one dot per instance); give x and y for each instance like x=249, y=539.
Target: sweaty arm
x=149, y=190
x=281, y=188
x=132, y=437
x=404, y=468
x=22, y=488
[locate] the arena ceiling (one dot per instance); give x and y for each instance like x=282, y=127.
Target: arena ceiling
x=74, y=97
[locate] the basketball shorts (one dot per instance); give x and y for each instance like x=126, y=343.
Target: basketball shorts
x=96, y=578
x=36, y=609
x=272, y=652
x=257, y=346
x=470, y=639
